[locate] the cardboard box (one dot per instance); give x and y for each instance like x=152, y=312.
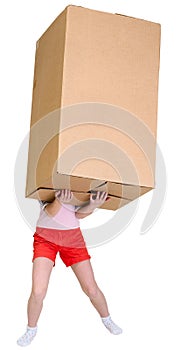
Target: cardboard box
x=94, y=107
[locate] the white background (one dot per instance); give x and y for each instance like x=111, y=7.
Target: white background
x=139, y=274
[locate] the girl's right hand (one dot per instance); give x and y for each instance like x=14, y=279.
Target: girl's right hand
x=64, y=196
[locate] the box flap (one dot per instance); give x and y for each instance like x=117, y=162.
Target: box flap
x=126, y=191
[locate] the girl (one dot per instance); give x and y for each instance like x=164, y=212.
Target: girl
x=58, y=230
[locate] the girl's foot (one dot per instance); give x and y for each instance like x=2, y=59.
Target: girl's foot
x=111, y=326
x=27, y=338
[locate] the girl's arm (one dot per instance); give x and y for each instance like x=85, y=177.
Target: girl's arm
x=65, y=196
x=96, y=200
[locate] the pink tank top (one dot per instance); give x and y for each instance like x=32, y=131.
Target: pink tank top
x=65, y=219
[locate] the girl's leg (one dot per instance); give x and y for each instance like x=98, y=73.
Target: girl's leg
x=42, y=268
x=41, y=272
x=84, y=273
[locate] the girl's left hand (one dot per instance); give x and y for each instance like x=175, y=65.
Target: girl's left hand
x=96, y=200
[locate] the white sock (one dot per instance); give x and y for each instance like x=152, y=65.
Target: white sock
x=27, y=338
x=110, y=325
x=33, y=329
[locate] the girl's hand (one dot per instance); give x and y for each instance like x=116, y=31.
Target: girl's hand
x=64, y=196
x=97, y=199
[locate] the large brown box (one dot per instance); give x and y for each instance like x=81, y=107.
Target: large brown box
x=94, y=107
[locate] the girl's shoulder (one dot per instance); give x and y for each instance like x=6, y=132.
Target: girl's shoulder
x=43, y=204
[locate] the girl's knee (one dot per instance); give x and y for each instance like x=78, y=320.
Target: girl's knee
x=91, y=290
x=38, y=293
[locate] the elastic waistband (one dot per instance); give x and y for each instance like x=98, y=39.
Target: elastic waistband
x=54, y=230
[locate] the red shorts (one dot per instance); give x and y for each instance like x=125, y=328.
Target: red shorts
x=71, y=247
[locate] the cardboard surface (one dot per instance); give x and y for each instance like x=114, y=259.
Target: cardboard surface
x=94, y=105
